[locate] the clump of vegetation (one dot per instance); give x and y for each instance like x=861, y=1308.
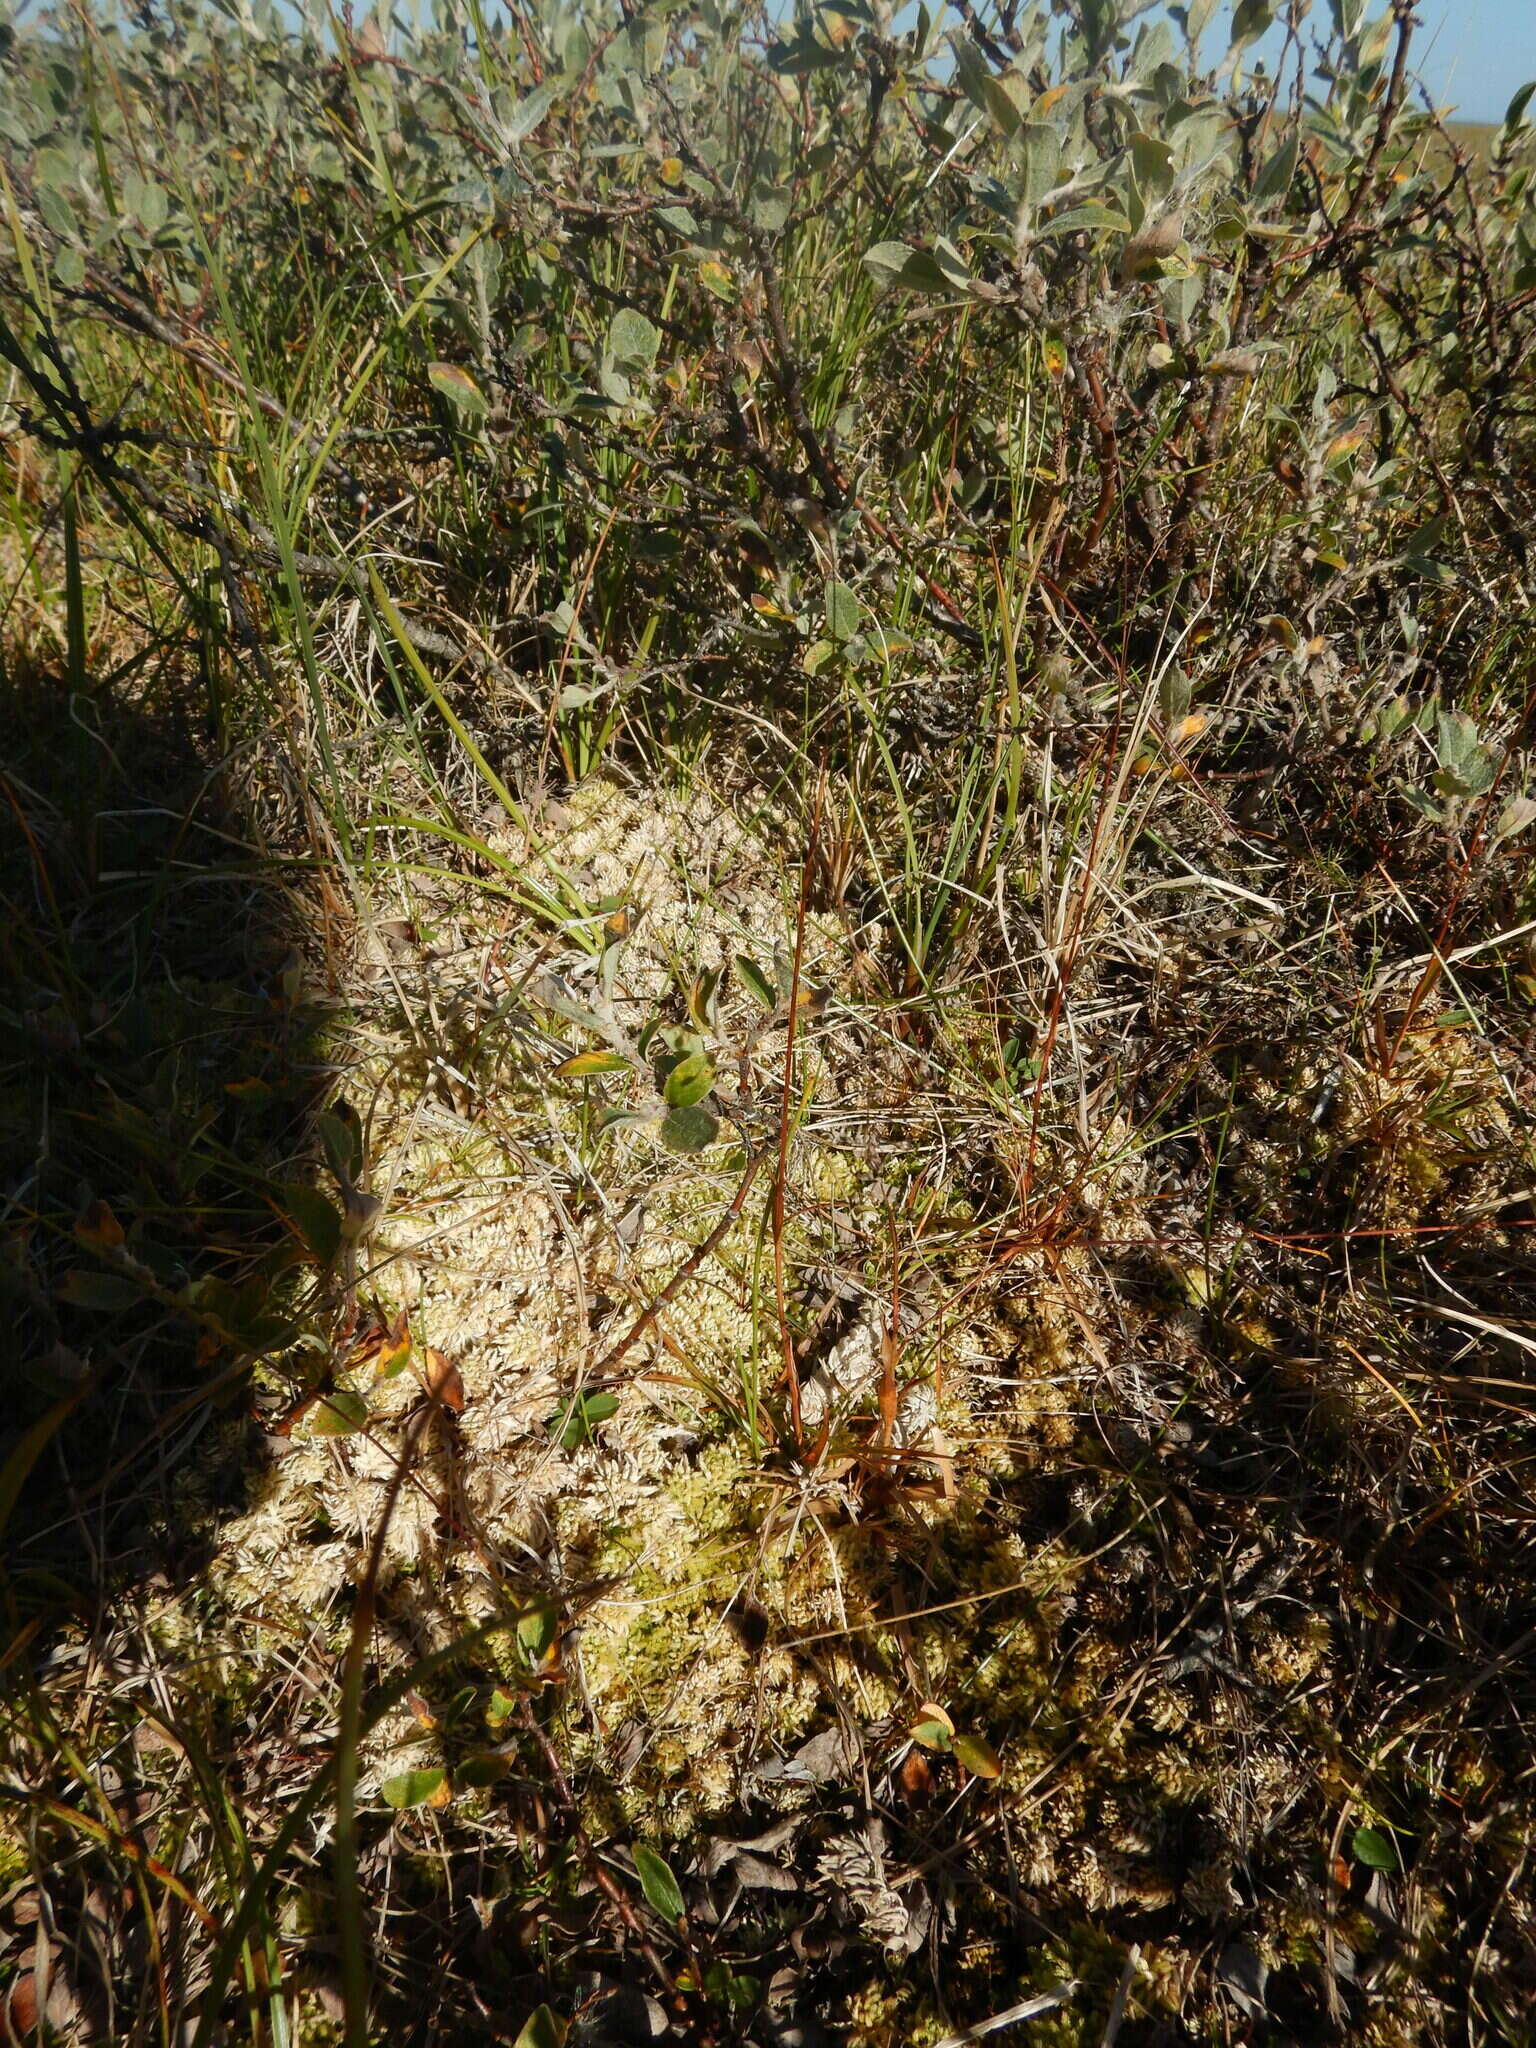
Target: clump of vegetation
x=765, y=1077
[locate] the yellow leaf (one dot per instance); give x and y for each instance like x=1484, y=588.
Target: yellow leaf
x=252, y=1087
x=393, y=1357
x=978, y=1756
x=1281, y=629
x=583, y=1063
x=97, y=1227
x=933, y=1728
x=717, y=279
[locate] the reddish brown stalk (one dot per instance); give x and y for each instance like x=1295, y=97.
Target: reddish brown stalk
x=587, y=1854
x=603, y=1373
x=1109, y=465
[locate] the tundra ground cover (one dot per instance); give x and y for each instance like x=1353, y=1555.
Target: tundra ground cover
x=767, y=1068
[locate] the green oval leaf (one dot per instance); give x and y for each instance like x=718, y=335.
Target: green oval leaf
x=978, y=1756
x=341, y=1413
x=624, y=1119
x=341, y=1137
x=916, y=270
x=1374, y=1849
x=632, y=340
x=317, y=1221
x=754, y=981
x=52, y=170
x=476, y=1772
x=574, y=1425
x=412, y=1788
x=886, y=261
x=105, y=1292
x=146, y=202
x=657, y=1882
x=538, y=1627
x=690, y=1080
x=689, y=1129
x=1276, y=174
x=716, y=278
x=542, y=2029
x=56, y=210
x=460, y=388
x=843, y=610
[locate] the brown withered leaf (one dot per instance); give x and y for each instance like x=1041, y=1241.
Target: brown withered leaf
x=916, y=1778
x=369, y=42
x=442, y=1380
x=285, y=1422
x=941, y=1455
x=1147, y=248
x=20, y=2009
x=889, y=1352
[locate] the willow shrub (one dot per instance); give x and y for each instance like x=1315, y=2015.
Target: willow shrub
x=736, y=330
